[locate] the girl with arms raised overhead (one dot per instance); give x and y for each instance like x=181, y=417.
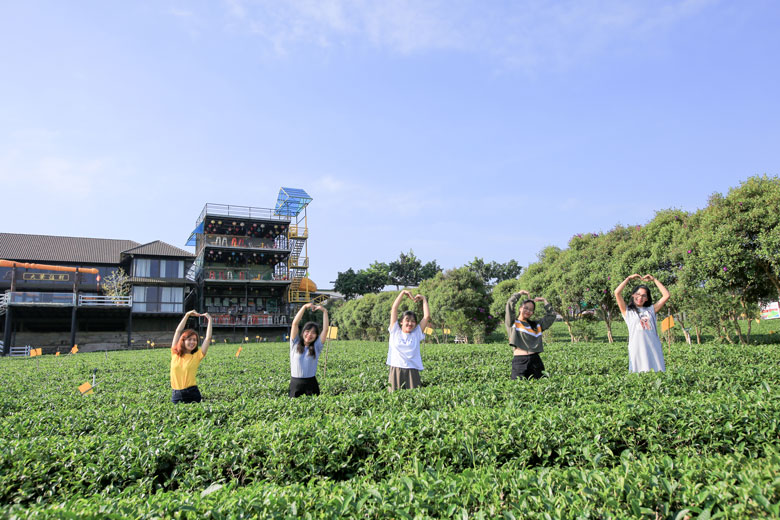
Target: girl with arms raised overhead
x=644, y=346
x=525, y=335
x=305, y=351
x=403, y=355
x=185, y=359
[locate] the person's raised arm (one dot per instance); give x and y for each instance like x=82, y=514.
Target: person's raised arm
x=325, y=322
x=549, y=315
x=619, y=293
x=664, y=292
x=426, y=311
x=297, y=321
x=510, y=315
x=207, y=339
x=396, y=303
x=182, y=326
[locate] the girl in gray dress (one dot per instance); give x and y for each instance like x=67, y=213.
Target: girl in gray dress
x=644, y=346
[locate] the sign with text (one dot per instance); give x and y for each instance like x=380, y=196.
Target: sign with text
x=770, y=311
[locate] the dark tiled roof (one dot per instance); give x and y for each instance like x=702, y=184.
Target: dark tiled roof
x=47, y=248
x=158, y=248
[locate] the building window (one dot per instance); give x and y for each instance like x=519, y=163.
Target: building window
x=153, y=268
x=143, y=267
x=158, y=299
x=172, y=268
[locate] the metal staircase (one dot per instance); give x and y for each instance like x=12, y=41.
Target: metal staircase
x=297, y=264
x=3, y=303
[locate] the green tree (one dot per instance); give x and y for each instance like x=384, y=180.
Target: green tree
x=459, y=300
x=494, y=272
x=406, y=270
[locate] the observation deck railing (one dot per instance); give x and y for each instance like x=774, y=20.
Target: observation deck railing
x=238, y=274
x=227, y=210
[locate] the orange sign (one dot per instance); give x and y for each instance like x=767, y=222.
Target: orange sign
x=667, y=324
x=86, y=388
x=74, y=349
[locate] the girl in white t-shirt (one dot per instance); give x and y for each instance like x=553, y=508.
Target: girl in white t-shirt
x=403, y=356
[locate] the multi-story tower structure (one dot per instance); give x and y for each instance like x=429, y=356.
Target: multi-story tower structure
x=250, y=266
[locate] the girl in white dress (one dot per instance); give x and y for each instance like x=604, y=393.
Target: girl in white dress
x=644, y=346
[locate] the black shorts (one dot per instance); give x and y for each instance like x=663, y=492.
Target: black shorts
x=528, y=367
x=188, y=395
x=304, y=386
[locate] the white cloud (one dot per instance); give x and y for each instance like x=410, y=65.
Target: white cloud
x=524, y=34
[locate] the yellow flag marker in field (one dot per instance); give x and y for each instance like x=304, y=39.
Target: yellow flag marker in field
x=333, y=333
x=246, y=338
x=446, y=331
x=74, y=349
x=667, y=324
x=86, y=388
x=428, y=330
x=238, y=351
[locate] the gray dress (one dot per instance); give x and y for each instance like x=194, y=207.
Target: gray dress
x=644, y=346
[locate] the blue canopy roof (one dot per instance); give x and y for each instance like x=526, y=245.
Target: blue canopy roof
x=198, y=230
x=291, y=201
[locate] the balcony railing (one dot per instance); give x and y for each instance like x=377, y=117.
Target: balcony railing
x=237, y=274
x=226, y=210
x=41, y=298
x=105, y=301
x=52, y=299
x=223, y=320
x=245, y=242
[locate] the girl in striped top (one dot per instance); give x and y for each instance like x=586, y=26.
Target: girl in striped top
x=525, y=335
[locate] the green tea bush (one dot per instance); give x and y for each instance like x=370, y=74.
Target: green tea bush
x=590, y=440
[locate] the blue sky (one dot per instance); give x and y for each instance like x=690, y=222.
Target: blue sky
x=454, y=128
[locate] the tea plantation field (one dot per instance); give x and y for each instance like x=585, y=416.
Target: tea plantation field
x=589, y=441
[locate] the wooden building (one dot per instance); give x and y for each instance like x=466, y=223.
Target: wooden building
x=56, y=308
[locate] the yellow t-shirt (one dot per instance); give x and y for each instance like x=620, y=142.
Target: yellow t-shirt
x=184, y=368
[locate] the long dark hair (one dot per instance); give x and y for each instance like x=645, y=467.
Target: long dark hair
x=648, y=302
x=308, y=326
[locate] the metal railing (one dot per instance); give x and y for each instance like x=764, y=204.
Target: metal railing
x=41, y=298
x=216, y=274
x=226, y=210
x=244, y=242
x=223, y=320
x=105, y=301
x=3, y=303
x=296, y=231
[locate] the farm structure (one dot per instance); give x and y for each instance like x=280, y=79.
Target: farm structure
x=248, y=272
x=53, y=290
x=250, y=266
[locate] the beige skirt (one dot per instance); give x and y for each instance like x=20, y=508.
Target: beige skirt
x=403, y=378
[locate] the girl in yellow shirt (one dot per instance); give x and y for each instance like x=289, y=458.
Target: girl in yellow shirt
x=185, y=358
